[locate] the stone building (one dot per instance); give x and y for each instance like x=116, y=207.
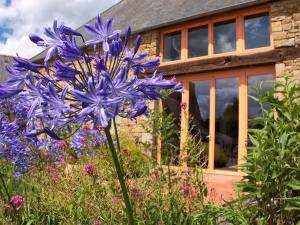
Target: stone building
x=219, y=50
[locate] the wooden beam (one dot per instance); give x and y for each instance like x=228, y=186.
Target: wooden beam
x=229, y=62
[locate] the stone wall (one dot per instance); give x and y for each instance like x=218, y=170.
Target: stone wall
x=285, y=23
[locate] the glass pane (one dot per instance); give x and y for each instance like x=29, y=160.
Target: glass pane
x=224, y=37
x=257, y=31
x=172, y=46
x=198, y=41
x=254, y=109
x=199, y=102
x=171, y=146
x=227, y=115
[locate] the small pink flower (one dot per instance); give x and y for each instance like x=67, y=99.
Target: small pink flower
x=185, y=189
x=183, y=105
x=50, y=170
x=47, y=155
x=82, y=140
x=114, y=201
x=156, y=173
x=17, y=201
x=147, y=154
x=89, y=169
x=52, y=173
x=85, y=127
x=136, y=192
x=125, y=151
x=61, y=145
x=97, y=222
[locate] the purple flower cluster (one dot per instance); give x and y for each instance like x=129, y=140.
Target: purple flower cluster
x=16, y=148
x=80, y=86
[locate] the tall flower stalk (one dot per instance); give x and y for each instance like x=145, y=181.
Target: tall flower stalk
x=93, y=83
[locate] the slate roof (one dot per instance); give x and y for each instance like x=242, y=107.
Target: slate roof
x=5, y=60
x=144, y=15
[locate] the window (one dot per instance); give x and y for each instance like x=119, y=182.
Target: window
x=172, y=46
x=224, y=37
x=237, y=32
x=257, y=31
x=198, y=41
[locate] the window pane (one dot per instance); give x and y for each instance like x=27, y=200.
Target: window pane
x=254, y=109
x=198, y=41
x=199, y=102
x=172, y=46
x=171, y=147
x=257, y=31
x=224, y=37
x=227, y=123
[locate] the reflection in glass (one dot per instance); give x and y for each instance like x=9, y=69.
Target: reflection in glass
x=172, y=46
x=254, y=109
x=199, y=102
x=257, y=31
x=198, y=41
x=171, y=148
x=226, y=133
x=224, y=37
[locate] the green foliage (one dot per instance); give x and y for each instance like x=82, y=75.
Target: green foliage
x=162, y=125
x=197, y=151
x=231, y=214
x=273, y=160
x=135, y=159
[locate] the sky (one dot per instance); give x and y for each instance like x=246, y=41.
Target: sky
x=19, y=18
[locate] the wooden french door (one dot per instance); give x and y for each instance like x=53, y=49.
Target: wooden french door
x=217, y=111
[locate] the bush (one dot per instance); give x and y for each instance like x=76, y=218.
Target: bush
x=273, y=160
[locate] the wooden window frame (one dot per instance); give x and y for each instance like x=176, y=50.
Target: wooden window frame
x=243, y=75
x=237, y=15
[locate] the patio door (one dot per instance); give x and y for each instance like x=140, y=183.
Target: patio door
x=217, y=114
x=214, y=118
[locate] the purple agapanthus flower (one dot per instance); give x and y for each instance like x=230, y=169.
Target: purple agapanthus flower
x=102, y=32
x=14, y=146
x=57, y=38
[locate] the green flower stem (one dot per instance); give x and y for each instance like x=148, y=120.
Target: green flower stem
x=117, y=135
x=120, y=177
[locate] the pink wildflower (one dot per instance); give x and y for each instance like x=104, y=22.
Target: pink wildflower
x=183, y=105
x=47, y=155
x=97, y=222
x=185, y=189
x=136, y=192
x=52, y=173
x=125, y=151
x=147, y=154
x=89, y=169
x=114, y=201
x=61, y=145
x=17, y=201
x=85, y=127
x=82, y=140
x=156, y=173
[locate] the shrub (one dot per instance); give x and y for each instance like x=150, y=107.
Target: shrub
x=273, y=159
